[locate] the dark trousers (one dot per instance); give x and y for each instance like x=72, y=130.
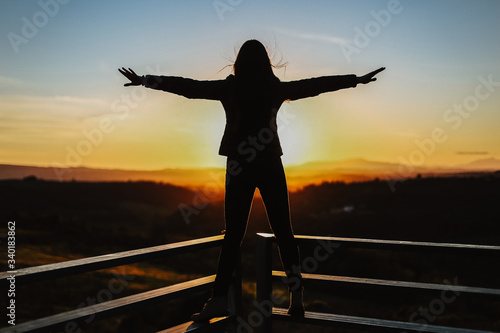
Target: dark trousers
x=242, y=178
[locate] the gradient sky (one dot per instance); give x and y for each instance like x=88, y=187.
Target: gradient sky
x=62, y=100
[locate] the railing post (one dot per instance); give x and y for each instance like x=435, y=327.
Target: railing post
x=264, y=280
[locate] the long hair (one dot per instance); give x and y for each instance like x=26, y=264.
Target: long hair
x=253, y=63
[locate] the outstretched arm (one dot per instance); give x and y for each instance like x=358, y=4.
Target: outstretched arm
x=178, y=85
x=294, y=90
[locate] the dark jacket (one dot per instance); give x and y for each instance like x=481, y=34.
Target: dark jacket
x=251, y=107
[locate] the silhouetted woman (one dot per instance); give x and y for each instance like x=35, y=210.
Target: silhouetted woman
x=251, y=99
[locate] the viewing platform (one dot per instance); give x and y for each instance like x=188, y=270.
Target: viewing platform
x=264, y=311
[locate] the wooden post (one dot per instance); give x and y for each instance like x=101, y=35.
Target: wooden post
x=264, y=278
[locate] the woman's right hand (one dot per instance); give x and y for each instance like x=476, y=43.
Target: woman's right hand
x=135, y=80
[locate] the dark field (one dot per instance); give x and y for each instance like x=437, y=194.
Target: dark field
x=61, y=221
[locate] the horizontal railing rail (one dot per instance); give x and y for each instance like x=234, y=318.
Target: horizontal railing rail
x=371, y=324
x=65, y=268
x=399, y=245
x=342, y=281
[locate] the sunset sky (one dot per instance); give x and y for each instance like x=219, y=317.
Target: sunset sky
x=63, y=103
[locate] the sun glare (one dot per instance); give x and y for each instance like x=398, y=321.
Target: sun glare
x=295, y=141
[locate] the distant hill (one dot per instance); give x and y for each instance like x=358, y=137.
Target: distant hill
x=173, y=176
x=362, y=170
x=485, y=164
x=298, y=175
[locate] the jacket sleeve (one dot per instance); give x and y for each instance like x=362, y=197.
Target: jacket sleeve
x=189, y=88
x=293, y=90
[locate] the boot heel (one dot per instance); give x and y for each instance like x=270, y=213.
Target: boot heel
x=296, y=308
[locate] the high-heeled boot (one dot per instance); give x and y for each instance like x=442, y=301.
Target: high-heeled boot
x=215, y=307
x=296, y=308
